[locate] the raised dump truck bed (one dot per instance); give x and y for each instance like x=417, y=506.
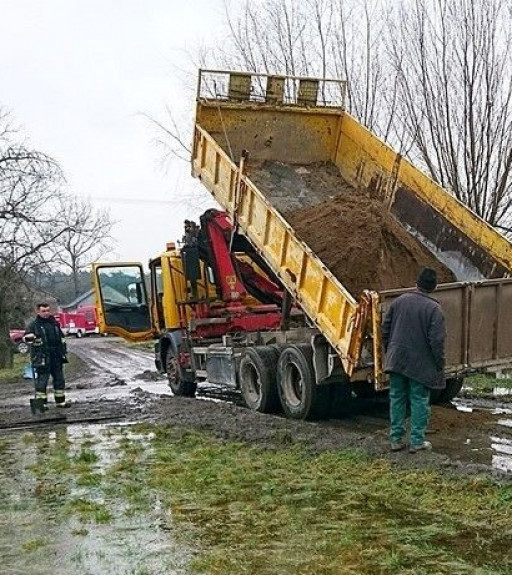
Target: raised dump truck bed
x=338, y=221
x=256, y=140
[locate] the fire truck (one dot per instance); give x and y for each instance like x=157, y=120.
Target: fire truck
x=80, y=322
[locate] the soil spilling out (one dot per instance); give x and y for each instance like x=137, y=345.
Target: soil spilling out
x=352, y=232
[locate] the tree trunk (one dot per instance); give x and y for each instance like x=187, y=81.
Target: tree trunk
x=75, y=279
x=6, y=355
x=6, y=348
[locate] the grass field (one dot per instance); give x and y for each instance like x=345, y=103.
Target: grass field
x=14, y=374
x=263, y=512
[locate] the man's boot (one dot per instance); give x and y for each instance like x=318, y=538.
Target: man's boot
x=425, y=446
x=38, y=405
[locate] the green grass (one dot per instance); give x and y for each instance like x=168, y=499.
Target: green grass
x=484, y=383
x=14, y=374
x=86, y=456
x=89, y=480
x=285, y=512
x=89, y=510
x=247, y=510
x=33, y=544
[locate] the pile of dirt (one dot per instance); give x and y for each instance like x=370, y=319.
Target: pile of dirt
x=352, y=232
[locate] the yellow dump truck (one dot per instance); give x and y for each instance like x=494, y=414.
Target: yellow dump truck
x=249, y=302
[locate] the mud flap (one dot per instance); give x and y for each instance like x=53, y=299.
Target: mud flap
x=326, y=362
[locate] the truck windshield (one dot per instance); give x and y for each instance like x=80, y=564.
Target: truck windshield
x=122, y=286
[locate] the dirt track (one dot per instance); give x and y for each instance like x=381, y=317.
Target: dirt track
x=119, y=383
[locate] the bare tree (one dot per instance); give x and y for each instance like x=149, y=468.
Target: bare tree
x=87, y=237
x=452, y=59
x=341, y=39
x=431, y=77
x=170, y=138
x=30, y=188
x=358, y=55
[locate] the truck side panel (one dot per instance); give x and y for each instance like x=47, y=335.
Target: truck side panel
x=479, y=322
x=303, y=135
x=295, y=135
x=420, y=204
x=290, y=132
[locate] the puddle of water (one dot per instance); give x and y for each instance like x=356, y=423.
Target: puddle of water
x=38, y=533
x=138, y=547
x=502, y=463
x=467, y=407
x=476, y=433
x=464, y=408
x=502, y=458
x=497, y=391
x=501, y=444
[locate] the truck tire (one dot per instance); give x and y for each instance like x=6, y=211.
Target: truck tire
x=22, y=347
x=176, y=377
x=299, y=393
x=453, y=386
x=258, y=379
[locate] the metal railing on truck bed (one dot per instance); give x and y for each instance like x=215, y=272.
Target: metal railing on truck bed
x=302, y=121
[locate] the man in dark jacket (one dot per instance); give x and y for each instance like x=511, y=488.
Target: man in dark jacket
x=413, y=334
x=47, y=354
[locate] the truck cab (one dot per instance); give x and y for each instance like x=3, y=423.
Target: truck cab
x=207, y=305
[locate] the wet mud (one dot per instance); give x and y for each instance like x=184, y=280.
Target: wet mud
x=472, y=436
x=351, y=231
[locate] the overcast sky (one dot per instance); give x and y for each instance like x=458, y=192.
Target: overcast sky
x=77, y=75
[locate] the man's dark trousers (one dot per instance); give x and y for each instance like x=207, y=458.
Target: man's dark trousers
x=43, y=375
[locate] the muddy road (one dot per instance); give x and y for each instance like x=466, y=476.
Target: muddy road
x=100, y=387
x=118, y=383
x=78, y=491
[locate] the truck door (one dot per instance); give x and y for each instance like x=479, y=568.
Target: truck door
x=121, y=299
x=157, y=294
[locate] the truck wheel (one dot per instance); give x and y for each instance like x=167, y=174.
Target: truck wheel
x=22, y=347
x=300, y=396
x=258, y=379
x=78, y=334
x=453, y=386
x=175, y=376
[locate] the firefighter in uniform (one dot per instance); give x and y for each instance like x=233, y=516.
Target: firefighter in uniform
x=47, y=355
